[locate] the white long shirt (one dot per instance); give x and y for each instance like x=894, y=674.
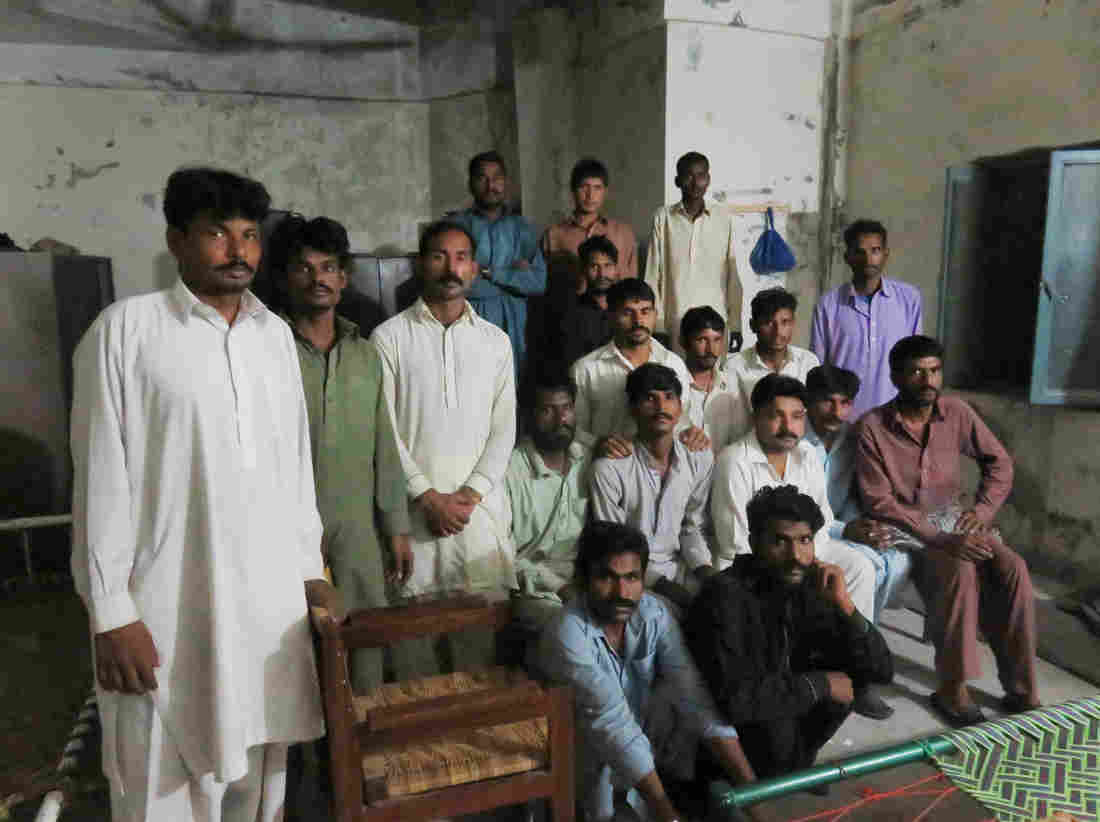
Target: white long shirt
x=746, y=369
x=601, y=406
x=741, y=470
x=692, y=263
x=451, y=391
x=194, y=511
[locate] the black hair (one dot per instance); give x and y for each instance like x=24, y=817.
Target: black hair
x=545, y=375
x=861, y=228
x=597, y=244
x=768, y=302
x=826, y=380
x=699, y=319
x=600, y=540
x=484, y=158
x=443, y=227
x=585, y=169
x=784, y=502
x=651, y=377
x=776, y=385
x=914, y=348
x=295, y=233
x=192, y=191
x=691, y=157
x=629, y=289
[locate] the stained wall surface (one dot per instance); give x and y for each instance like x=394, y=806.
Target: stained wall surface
x=941, y=84
x=88, y=166
x=751, y=101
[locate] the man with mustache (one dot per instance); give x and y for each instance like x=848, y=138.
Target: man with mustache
x=711, y=400
x=589, y=184
x=509, y=261
x=779, y=639
x=601, y=375
x=578, y=324
x=642, y=710
x=449, y=382
x=547, y=482
x=196, y=537
x=662, y=488
x=909, y=472
x=692, y=254
x=355, y=458
x=856, y=324
x=772, y=320
x=773, y=453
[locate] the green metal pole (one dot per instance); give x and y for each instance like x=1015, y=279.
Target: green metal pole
x=726, y=798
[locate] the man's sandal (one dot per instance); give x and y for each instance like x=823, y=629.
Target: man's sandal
x=970, y=715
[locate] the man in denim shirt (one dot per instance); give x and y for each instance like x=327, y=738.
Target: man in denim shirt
x=640, y=700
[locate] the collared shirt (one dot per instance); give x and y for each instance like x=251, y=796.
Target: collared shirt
x=501, y=295
x=716, y=411
x=840, y=469
x=692, y=263
x=671, y=510
x=355, y=459
x=561, y=241
x=548, y=513
x=742, y=470
x=451, y=392
x=902, y=479
x=849, y=333
x=601, y=405
x=194, y=511
x=611, y=691
x=747, y=369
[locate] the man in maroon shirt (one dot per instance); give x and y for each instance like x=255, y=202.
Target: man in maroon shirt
x=909, y=472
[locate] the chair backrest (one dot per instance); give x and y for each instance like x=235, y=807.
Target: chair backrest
x=379, y=627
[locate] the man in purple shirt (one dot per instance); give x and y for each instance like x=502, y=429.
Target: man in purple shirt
x=856, y=324
x=909, y=471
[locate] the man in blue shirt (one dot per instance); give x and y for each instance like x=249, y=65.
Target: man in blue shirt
x=640, y=701
x=832, y=392
x=512, y=267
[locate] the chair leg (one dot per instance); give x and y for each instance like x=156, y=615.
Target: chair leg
x=563, y=802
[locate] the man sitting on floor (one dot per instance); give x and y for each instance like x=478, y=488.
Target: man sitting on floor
x=547, y=481
x=779, y=640
x=662, y=488
x=640, y=702
x=910, y=474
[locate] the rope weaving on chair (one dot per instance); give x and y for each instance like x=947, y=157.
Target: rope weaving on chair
x=1028, y=766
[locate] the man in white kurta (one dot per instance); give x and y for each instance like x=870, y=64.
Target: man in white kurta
x=602, y=408
x=743, y=468
x=195, y=527
x=451, y=389
x=692, y=256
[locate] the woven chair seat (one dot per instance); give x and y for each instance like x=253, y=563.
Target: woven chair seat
x=457, y=757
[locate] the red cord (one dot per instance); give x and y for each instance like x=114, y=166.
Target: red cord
x=870, y=795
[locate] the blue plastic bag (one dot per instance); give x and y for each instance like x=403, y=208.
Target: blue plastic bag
x=771, y=255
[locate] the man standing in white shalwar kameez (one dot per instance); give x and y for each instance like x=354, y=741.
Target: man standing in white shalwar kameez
x=196, y=538
x=448, y=376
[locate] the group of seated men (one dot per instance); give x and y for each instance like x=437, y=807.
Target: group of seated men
x=217, y=447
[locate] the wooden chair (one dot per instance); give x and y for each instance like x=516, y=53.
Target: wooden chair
x=443, y=745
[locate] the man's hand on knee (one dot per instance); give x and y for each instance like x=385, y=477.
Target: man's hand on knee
x=972, y=547
x=125, y=659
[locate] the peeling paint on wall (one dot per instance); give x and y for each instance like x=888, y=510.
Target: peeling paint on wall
x=76, y=173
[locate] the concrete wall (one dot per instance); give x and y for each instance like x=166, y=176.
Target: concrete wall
x=751, y=101
x=940, y=84
x=621, y=114
x=88, y=166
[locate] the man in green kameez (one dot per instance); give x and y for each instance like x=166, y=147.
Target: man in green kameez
x=360, y=482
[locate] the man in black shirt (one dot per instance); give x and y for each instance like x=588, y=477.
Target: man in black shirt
x=577, y=324
x=780, y=642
